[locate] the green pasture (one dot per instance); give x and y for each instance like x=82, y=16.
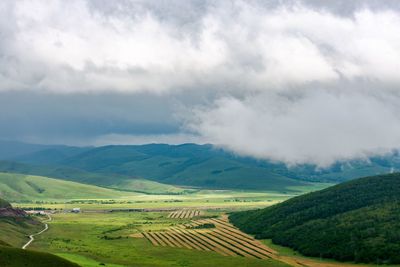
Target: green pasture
x=90, y=239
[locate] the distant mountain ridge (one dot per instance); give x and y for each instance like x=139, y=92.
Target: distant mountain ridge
x=357, y=220
x=186, y=164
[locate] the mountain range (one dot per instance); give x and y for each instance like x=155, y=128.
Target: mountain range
x=191, y=165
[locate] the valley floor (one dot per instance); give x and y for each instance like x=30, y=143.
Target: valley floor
x=116, y=239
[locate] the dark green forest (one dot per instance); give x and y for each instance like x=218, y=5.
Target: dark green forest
x=353, y=221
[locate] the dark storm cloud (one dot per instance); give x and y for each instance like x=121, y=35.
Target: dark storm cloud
x=44, y=117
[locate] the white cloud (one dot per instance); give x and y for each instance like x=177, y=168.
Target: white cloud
x=68, y=46
x=317, y=127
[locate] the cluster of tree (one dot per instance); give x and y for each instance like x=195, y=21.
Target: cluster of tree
x=202, y=226
x=354, y=221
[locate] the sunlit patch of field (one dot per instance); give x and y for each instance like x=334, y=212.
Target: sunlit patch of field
x=114, y=239
x=202, y=199
x=119, y=239
x=213, y=234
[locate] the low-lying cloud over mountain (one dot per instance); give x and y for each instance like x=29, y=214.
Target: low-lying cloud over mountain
x=297, y=81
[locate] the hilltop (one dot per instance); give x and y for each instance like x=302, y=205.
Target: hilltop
x=354, y=221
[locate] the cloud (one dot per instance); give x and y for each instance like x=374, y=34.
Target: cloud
x=295, y=81
x=78, y=46
x=318, y=126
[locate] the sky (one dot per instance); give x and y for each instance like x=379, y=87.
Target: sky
x=293, y=81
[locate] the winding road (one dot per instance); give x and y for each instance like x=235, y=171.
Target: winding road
x=31, y=237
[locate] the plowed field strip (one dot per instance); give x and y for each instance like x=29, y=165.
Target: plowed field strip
x=219, y=247
x=187, y=213
x=151, y=239
x=187, y=242
x=179, y=214
x=166, y=239
x=235, y=246
x=230, y=227
x=254, y=242
x=243, y=246
x=256, y=251
x=159, y=239
x=182, y=241
x=223, y=222
x=173, y=239
x=205, y=242
x=183, y=215
x=238, y=233
x=189, y=237
x=229, y=231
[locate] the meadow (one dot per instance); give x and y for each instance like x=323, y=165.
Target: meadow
x=117, y=239
x=121, y=228
x=90, y=239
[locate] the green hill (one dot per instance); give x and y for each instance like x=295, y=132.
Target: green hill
x=15, y=226
x=117, y=181
x=20, y=187
x=15, y=257
x=354, y=221
x=188, y=164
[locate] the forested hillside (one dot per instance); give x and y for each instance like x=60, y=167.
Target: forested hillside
x=357, y=220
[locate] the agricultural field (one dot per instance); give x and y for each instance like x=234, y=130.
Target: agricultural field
x=152, y=239
x=184, y=214
x=211, y=235
x=199, y=200
x=116, y=239
x=124, y=228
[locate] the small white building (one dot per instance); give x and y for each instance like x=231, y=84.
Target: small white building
x=76, y=210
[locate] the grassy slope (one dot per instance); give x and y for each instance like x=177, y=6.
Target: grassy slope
x=15, y=257
x=15, y=232
x=149, y=187
x=189, y=164
x=357, y=220
x=118, y=181
x=20, y=187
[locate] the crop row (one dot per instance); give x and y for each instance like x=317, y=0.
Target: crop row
x=184, y=214
x=225, y=239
